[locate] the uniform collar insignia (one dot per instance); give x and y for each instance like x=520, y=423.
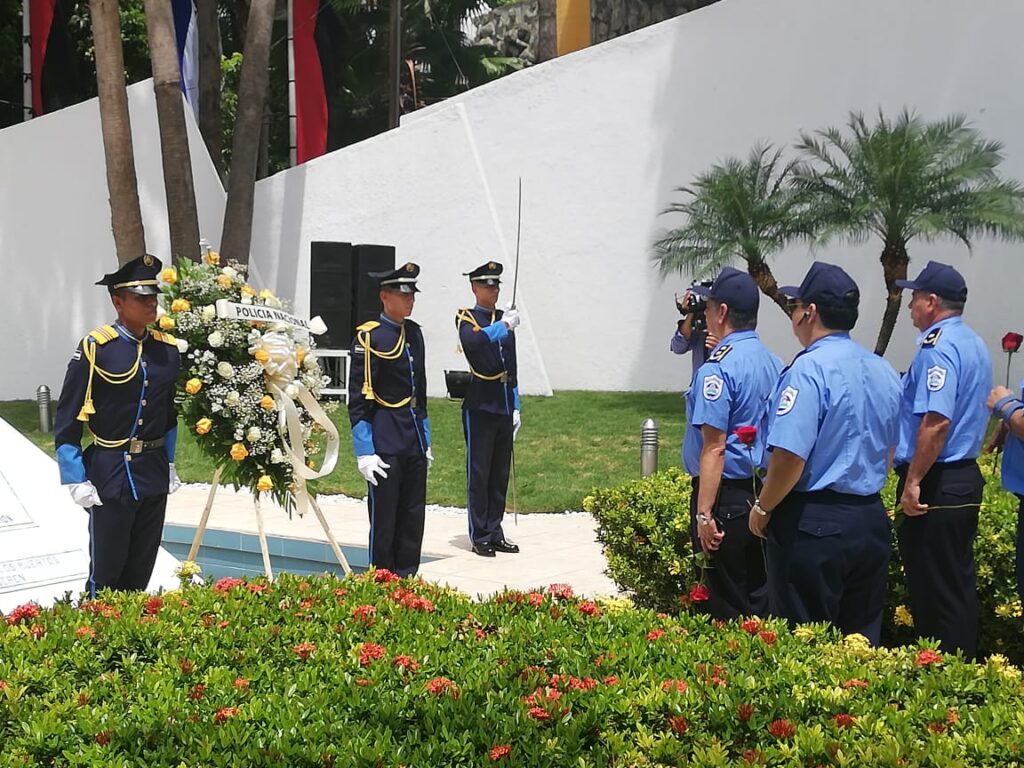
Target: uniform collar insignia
x=931, y=339
x=719, y=354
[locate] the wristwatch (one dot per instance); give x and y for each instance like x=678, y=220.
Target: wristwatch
x=703, y=519
x=757, y=508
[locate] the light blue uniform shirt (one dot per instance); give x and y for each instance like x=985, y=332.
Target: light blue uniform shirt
x=836, y=407
x=729, y=391
x=1013, y=462
x=951, y=375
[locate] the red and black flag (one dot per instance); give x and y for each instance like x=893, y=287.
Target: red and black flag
x=56, y=81
x=317, y=34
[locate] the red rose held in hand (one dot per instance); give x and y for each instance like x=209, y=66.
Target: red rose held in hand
x=746, y=435
x=1012, y=342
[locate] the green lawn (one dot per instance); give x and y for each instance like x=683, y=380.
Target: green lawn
x=569, y=444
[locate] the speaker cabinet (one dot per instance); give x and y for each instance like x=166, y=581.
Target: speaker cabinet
x=331, y=292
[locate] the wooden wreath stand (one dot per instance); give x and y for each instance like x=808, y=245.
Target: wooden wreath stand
x=197, y=539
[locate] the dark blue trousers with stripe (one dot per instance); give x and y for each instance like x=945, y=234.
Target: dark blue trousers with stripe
x=488, y=459
x=397, y=505
x=124, y=538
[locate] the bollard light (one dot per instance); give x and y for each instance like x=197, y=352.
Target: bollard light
x=648, y=448
x=43, y=400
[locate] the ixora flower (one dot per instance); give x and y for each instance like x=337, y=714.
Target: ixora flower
x=746, y=435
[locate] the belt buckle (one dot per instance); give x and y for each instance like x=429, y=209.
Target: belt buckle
x=504, y=378
x=135, y=445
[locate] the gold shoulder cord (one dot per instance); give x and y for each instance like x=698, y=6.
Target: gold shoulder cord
x=466, y=316
x=116, y=379
x=364, y=340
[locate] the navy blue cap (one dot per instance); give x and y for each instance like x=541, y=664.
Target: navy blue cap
x=734, y=288
x=137, y=276
x=402, y=279
x=488, y=274
x=940, y=279
x=826, y=285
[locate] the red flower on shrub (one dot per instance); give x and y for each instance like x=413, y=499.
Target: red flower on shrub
x=746, y=435
x=589, y=608
x=500, y=751
x=85, y=632
x=1012, y=342
x=753, y=757
x=362, y=682
x=767, y=637
x=538, y=713
x=223, y=714
x=240, y=684
x=83, y=698
x=927, y=657
x=105, y=610
x=340, y=592
x=782, y=729
x=3, y=685
x=561, y=591
x=102, y=738
x=855, y=683
x=699, y=593
x=369, y=653
x=611, y=680
x=153, y=606
x=226, y=584
x=751, y=626
x=536, y=599
x=384, y=576
x=38, y=631
x=406, y=663
x=582, y=683
x=937, y=728
x=185, y=666
x=304, y=650
x=654, y=634
x=23, y=613
x=678, y=724
x=951, y=716
x=364, y=613
x=197, y=691
x=440, y=686
x=744, y=712
x=257, y=589
x=844, y=720
x=679, y=686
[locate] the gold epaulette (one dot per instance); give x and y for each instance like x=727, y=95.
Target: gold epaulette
x=368, y=326
x=166, y=338
x=103, y=334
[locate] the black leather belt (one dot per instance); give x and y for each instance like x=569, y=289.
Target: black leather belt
x=135, y=445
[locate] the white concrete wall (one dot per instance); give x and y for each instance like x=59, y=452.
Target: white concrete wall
x=55, y=232
x=603, y=136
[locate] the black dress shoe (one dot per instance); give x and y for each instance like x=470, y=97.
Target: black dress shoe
x=505, y=546
x=484, y=550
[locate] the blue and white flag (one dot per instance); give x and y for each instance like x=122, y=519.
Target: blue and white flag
x=187, y=37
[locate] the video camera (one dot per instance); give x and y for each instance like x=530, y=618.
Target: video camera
x=695, y=305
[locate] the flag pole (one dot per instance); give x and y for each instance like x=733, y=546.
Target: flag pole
x=292, y=119
x=26, y=58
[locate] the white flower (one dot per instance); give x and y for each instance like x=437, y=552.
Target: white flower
x=230, y=272
x=225, y=370
x=272, y=301
x=160, y=311
x=215, y=339
x=246, y=300
x=253, y=337
x=292, y=390
x=233, y=398
x=239, y=434
x=253, y=434
x=182, y=345
x=311, y=362
x=276, y=457
x=208, y=312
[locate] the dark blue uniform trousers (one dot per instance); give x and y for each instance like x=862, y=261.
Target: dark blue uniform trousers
x=736, y=578
x=1020, y=549
x=937, y=549
x=488, y=459
x=397, y=505
x=124, y=540
x=828, y=558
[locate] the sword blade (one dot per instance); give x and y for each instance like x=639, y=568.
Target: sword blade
x=519, y=230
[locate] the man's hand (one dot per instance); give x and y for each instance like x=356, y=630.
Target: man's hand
x=173, y=482
x=511, y=318
x=996, y=395
x=85, y=495
x=517, y=422
x=910, y=501
x=708, y=533
x=711, y=342
x=371, y=467
x=430, y=458
x=757, y=522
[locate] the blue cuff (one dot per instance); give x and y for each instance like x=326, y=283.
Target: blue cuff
x=171, y=443
x=496, y=331
x=426, y=431
x=70, y=464
x=1014, y=407
x=362, y=438
x=517, y=405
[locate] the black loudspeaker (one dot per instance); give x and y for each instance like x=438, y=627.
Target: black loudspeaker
x=331, y=292
x=369, y=258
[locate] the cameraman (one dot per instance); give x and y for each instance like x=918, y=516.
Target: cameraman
x=691, y=332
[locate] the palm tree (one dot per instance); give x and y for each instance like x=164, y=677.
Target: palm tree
x=209, y=80
x=179, y=188
x=122, y=184
x=904, y=178
x=737, y=211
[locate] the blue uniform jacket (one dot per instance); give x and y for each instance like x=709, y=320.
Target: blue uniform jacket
x=490, y=350
x=142, y=407
x=387, y=390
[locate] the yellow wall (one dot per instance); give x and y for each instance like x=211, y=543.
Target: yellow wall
x=573, y=25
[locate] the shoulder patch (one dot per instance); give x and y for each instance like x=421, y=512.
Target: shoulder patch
x=936, y=378
x=369, y=325
x=103, y=334
x=720, y=353
x=931, y=339
x=713, y=387
x=787, y=399
x=77, y=355
x=166, y=338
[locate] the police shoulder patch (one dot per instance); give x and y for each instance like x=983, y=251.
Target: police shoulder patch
x=713, y=387
x=931, y=339
x=787, y=399
x=720, y=353
x=936, y=378
x=77, y=355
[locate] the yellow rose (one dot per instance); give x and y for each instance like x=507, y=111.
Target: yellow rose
x=203, y=426
x=247, y=290
x=169, y=275
x=212, y=258
x=238, y=452
x=193, y=385
x=223, y=281
x=267, y=403
x=261, y=355
x=266, y=294
x=166, y=322
x=264, y=483
x=180, y=305
x=300, y=354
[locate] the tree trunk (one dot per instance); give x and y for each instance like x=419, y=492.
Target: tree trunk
x=252, y=93
x=762, y=274
x=894, y=266
x=122, y=184
x=179, y=188
x=209, y=80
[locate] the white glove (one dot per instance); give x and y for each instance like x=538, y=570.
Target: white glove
x=370, y=466
x=85, y=495
x=430, y=457
x=511, y=319
x=517, y=422
x=173, y=482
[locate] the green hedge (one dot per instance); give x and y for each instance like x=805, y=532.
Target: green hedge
x=374, y=672
x=642, y=525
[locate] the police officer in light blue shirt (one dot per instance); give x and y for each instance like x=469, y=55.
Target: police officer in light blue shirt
x=831, y=425
x=942, y=424
x=1010, y=410
x=729, y=392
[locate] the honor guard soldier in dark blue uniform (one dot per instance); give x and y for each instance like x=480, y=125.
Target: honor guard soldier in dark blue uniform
x=942, y=425
x=387, y=405
x=120, y=385
x=1010, y=410
x=490, y=410
x=831, y=426
x=729, y=392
